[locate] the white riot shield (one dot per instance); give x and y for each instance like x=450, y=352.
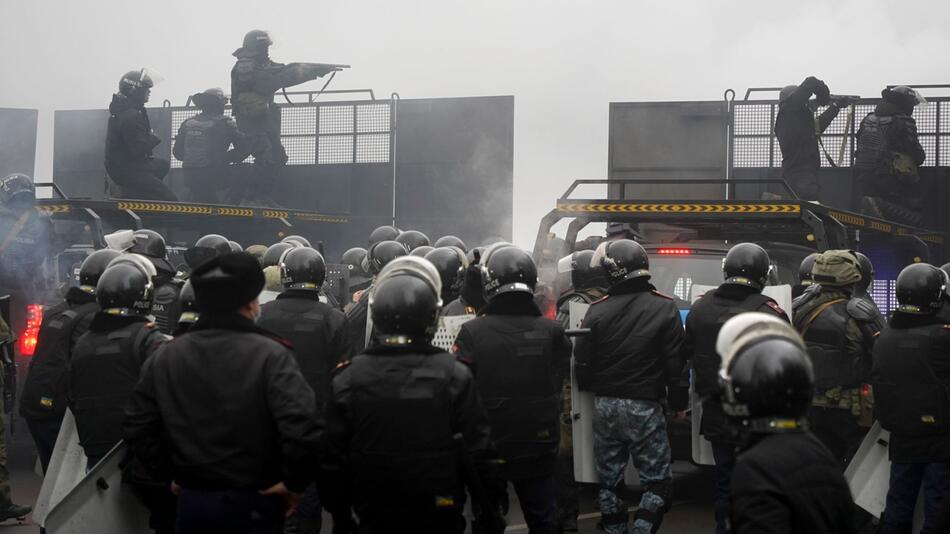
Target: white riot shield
x=869, y=475
x=582, y=417
x=67, y=467
x=449, y=330
x=701, y=447
x=100, y=503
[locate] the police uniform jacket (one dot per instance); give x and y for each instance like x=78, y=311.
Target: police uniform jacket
x=789, y=483
x=225, y=407
x=635, y=347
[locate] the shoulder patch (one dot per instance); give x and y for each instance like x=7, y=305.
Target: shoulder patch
x=601, y=299
x=657, y=293
x=860, y=309
x=341, y=366
x=776, y=308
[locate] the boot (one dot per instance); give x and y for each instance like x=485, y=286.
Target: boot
x=15, y=511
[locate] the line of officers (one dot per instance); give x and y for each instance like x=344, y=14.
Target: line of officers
x=253, y=413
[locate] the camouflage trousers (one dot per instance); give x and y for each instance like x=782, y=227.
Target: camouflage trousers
x=5, y=501
x=627, y=429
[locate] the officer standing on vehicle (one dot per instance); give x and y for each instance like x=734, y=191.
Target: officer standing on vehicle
x=165, y=305
x=43, y=401
x=254, y=80
x=887, y=157
x=519, y=360
x=407, y=430
x=8, y=509
x=629, y=375
x=588, y=284
x=798, y=133
x=746, y=270
x=204, y=147
x=317, y=333
x=238, y=470
x=106, y=360
x=451, y=263
x=911, y=380
x=25, y=241
x=784, y=480
x=130, y=142
x=804, y=275
x=839, y=330
x=377, y=257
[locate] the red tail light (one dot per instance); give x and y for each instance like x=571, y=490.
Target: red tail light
x=674, y=251
x=34, y=317
x=550, y=311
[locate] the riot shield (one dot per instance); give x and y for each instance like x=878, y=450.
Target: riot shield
x=67, y=467
x=701, y=447
x=448, y=330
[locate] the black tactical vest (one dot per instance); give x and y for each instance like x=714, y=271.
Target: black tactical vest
x=909, y=398
x=103, y=371
x=44, y=392
x=825, y=335
x=419, y=465
x=200, y=142
x=514, y=374
x=166, y=307
x=304, y=325
x=872, y=152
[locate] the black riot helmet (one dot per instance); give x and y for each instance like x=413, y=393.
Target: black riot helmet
x=210, y=100
x=92, y=268
x=383, y=233
x=274, y=253
x=207, y=247
x=413, y=239
x=867, y=273
x=352, y=259
x=623, y=259
x=946, y=269
x=421, y=251
x=17, y=188
x=903, y=97
x=583, y=274
x=256, y=41
x=381, y=254
x=508, y=269
x=450, y=241
x=920, y=289
x=298, y=240
x=451, y=264
x=766, y=375
x=125, y=289
x=303, y=268
x=804, y=270
x=189, y=304
x=151, y=244
x=404, y=302
x=137, y=85
x=747, y=264
x=235, y=246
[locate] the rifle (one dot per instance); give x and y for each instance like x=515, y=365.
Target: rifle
x=843, y=101
x=488, y=518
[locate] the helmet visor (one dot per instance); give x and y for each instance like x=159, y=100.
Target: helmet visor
x=121, y=240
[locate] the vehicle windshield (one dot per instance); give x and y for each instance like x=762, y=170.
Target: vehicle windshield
x=675, y=275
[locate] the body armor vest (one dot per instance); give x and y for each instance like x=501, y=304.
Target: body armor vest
x=44, y=393
x=104, y=370
x=166, y=307
x=415, y=459
x=199, y=141
x=909, y=397
x=872, y=152
x=824, y=330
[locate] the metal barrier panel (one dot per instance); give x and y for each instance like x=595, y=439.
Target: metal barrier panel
x=17, y=141
x=754, y=144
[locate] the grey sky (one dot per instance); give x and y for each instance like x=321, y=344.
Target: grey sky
x=564, y=61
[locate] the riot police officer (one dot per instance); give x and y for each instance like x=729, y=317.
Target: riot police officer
x=189, y=309
x=804, y=275
x=383, y=233
x=239, y=469
x=911, y=380
x=746, y=270
x=254, y=80
x=165, y=305
x=106, y=359
x=206, y=247
x=887, y=158
x=317, y=333
x=359, y=329
x=421, y=251
x=413, y=239
x=130, y=141
x=25, y=236
x=8, y=509
x=862, y=287
x=450, y=241
x=784, y=478
x=630, y=376
x=588, y=284
x=204, y=147
x=471, y=298
x=839, y=330
x=451, y=263
x=43, y=401
x=797, y=131
x=519, y=360
x=357, y=278
x=407, y=431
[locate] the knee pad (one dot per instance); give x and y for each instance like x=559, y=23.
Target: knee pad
x=664, y=490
